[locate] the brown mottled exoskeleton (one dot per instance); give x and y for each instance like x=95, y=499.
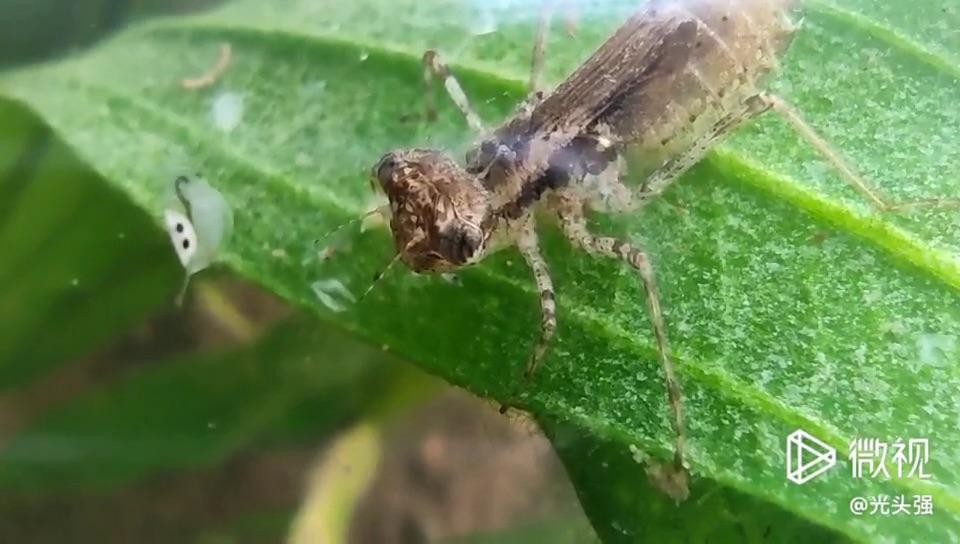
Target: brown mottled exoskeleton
x=672, y=82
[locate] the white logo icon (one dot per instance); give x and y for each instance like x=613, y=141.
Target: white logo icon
x=807, y=457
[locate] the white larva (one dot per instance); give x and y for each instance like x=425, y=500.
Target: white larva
x=199, y=222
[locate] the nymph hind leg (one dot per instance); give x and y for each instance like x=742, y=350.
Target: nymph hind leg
x=664, y=176
x=879, y=201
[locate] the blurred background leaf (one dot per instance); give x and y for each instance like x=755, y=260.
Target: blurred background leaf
x=31, y=30
x=80, y=263
x=195, y=411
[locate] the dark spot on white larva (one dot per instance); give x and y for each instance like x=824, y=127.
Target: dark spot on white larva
x=179, y=227
x=186, y=244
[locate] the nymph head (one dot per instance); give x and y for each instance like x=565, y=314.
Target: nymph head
x=436, y=209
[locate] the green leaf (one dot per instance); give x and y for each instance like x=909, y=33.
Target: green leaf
x=790, y=303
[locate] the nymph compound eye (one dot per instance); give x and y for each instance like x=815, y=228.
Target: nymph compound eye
x=383, y=170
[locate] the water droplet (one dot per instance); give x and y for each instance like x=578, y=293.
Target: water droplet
x=314, y=89
x=936, y=349
x=227, y=111
x=329, y=291
x=452, y=279
x=484, y=24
